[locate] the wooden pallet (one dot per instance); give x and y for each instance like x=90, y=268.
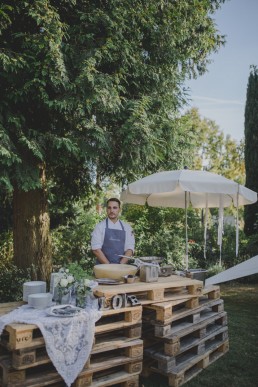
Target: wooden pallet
x=164, y=311
x=22, y=336
x=153, y=291
x=126, y=357
x=190, y=333
x=181, y=318
x=115, y=319
x=45, y=375
x=192, y=368
x=112, y=339
x=27, y=358
x=124, y=373
x=186, y=322
x=188, y=351
x=36, y=355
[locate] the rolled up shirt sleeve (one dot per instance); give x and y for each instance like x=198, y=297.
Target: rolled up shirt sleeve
x=97, y=236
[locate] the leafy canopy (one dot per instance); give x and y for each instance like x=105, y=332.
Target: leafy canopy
x=92, y=88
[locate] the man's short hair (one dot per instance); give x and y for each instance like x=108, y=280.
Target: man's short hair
x=114, y=200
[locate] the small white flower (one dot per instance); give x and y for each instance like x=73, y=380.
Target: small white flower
x=70, y=279
x=86, y=282
x=64, y=282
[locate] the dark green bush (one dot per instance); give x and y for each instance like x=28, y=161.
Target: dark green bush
x=71, y=242
x=6, y=249
x=12, y=280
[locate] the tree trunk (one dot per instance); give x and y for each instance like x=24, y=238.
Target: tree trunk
x=31, y=237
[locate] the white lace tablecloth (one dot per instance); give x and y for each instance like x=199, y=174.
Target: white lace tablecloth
x=68, y=339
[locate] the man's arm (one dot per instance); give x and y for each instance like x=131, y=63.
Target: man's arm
x=100, y=256
x=129, y=243
x=129, y=254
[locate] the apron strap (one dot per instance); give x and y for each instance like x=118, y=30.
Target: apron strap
x=119, y=222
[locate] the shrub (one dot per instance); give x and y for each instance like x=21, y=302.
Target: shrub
x=71, y=242
x=12, y=280
x=6, y=249
x=215, y=269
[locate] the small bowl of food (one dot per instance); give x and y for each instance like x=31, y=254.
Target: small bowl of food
x=130, y=278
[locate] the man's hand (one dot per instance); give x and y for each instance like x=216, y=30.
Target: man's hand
x=100, y=256
x=129, y=254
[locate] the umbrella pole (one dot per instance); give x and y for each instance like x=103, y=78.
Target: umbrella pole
x=186, y=233
x=237, y=225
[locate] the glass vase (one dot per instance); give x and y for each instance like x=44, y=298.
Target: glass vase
x=63, y=296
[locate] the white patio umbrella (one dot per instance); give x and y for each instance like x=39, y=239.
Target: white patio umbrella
x=181, y=188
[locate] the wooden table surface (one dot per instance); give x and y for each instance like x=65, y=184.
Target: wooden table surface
x=173, y=281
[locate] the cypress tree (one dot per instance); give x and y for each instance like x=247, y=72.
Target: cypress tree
x=251, y=150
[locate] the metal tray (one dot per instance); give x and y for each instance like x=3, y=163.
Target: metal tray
x=108, y=281
x=63, y=311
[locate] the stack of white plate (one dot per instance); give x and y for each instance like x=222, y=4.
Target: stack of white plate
x=33, y=287
x=40, y=300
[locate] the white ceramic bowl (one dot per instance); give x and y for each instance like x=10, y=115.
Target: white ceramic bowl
x=114, y=270
x=40, y=300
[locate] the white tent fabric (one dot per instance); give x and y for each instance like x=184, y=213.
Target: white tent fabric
x=166, y=189
x=243, y=269
x=181, y=188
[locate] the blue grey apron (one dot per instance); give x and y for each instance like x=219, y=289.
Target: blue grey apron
x=114, y=243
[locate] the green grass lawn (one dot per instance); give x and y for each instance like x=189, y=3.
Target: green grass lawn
x=239, y=366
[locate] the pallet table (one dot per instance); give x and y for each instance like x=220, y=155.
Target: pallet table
x=174, y=326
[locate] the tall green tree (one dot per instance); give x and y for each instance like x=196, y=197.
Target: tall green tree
x=214, y=151
x=89, y=89
x=251, y=149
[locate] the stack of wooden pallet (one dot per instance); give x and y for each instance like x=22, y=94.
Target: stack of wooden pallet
x=184, y=335
x=174, y=327
x=116, y=356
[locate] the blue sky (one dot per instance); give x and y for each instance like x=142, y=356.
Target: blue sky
x=220, y=94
